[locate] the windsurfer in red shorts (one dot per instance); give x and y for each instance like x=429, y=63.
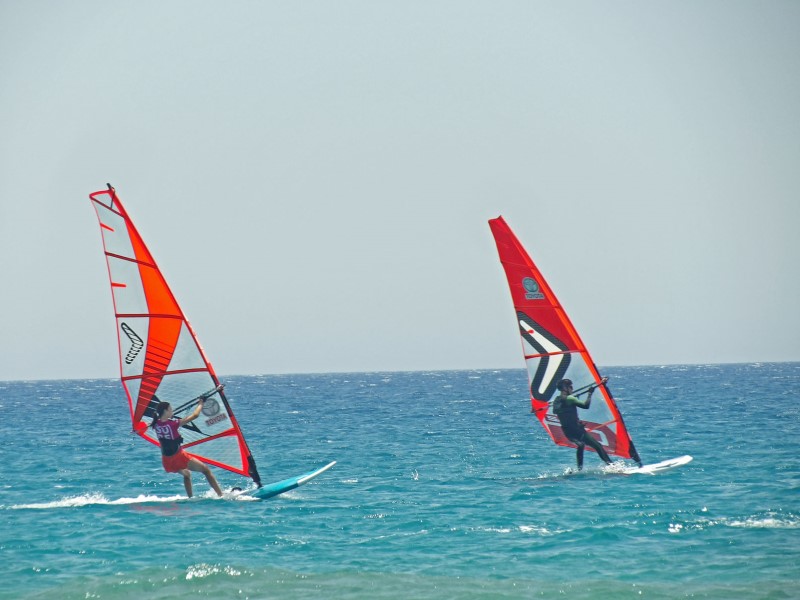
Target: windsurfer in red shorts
x=174, y=459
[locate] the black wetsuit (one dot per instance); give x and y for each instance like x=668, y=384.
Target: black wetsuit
x=566, y=409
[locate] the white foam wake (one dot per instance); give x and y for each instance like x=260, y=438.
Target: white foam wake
x=100, y=499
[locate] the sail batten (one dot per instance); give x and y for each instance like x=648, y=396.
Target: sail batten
x=162, y=373
x=553, y=350
x=527, y=356
x=160, y=356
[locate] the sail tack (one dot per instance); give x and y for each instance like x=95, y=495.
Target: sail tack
x=160, y=357
x=553, y=351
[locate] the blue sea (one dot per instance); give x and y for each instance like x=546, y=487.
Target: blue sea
x=445, y=487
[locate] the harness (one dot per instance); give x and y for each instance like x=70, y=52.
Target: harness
x=170, y=447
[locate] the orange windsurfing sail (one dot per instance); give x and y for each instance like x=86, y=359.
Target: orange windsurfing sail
x=160, y=356
x=554, y=351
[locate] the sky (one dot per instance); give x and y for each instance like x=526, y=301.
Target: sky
x=315, y=178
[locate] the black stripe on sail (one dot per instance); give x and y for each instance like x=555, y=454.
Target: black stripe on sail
x=547, y=355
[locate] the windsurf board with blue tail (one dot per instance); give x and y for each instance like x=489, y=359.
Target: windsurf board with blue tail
x=279, y=487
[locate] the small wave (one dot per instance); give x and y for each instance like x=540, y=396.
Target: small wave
x=618, y=466
x=561, y=475
x=768, y=522
x=98, y=499
x=494, y=529
x=570, y=472
x=537, y=529
x=90, y=499
x=203, y=570
x=531, y=529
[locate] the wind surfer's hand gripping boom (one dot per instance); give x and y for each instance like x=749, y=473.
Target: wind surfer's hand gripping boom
x=589, y=388
x=200, y=399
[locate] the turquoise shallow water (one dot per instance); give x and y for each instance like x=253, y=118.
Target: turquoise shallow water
x=445, y=487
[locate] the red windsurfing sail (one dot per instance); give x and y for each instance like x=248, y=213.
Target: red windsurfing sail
x=160, y=357
x=554, y=351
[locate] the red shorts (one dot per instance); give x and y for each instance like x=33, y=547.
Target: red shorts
x=175, y=463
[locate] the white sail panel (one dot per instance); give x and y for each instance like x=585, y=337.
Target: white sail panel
x=126, y=285
x=186, y=354
x=116, y=239
x=224, y=449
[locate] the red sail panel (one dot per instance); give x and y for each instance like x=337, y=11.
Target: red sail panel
x=553, y=350
x=160, y=357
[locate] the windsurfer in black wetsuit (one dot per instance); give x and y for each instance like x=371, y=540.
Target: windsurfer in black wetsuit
x=565, y=406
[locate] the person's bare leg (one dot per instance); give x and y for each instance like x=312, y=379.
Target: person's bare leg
x=196, y=465
x=187, y=481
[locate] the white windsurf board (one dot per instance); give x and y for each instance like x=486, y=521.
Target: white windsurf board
x=658, y=467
